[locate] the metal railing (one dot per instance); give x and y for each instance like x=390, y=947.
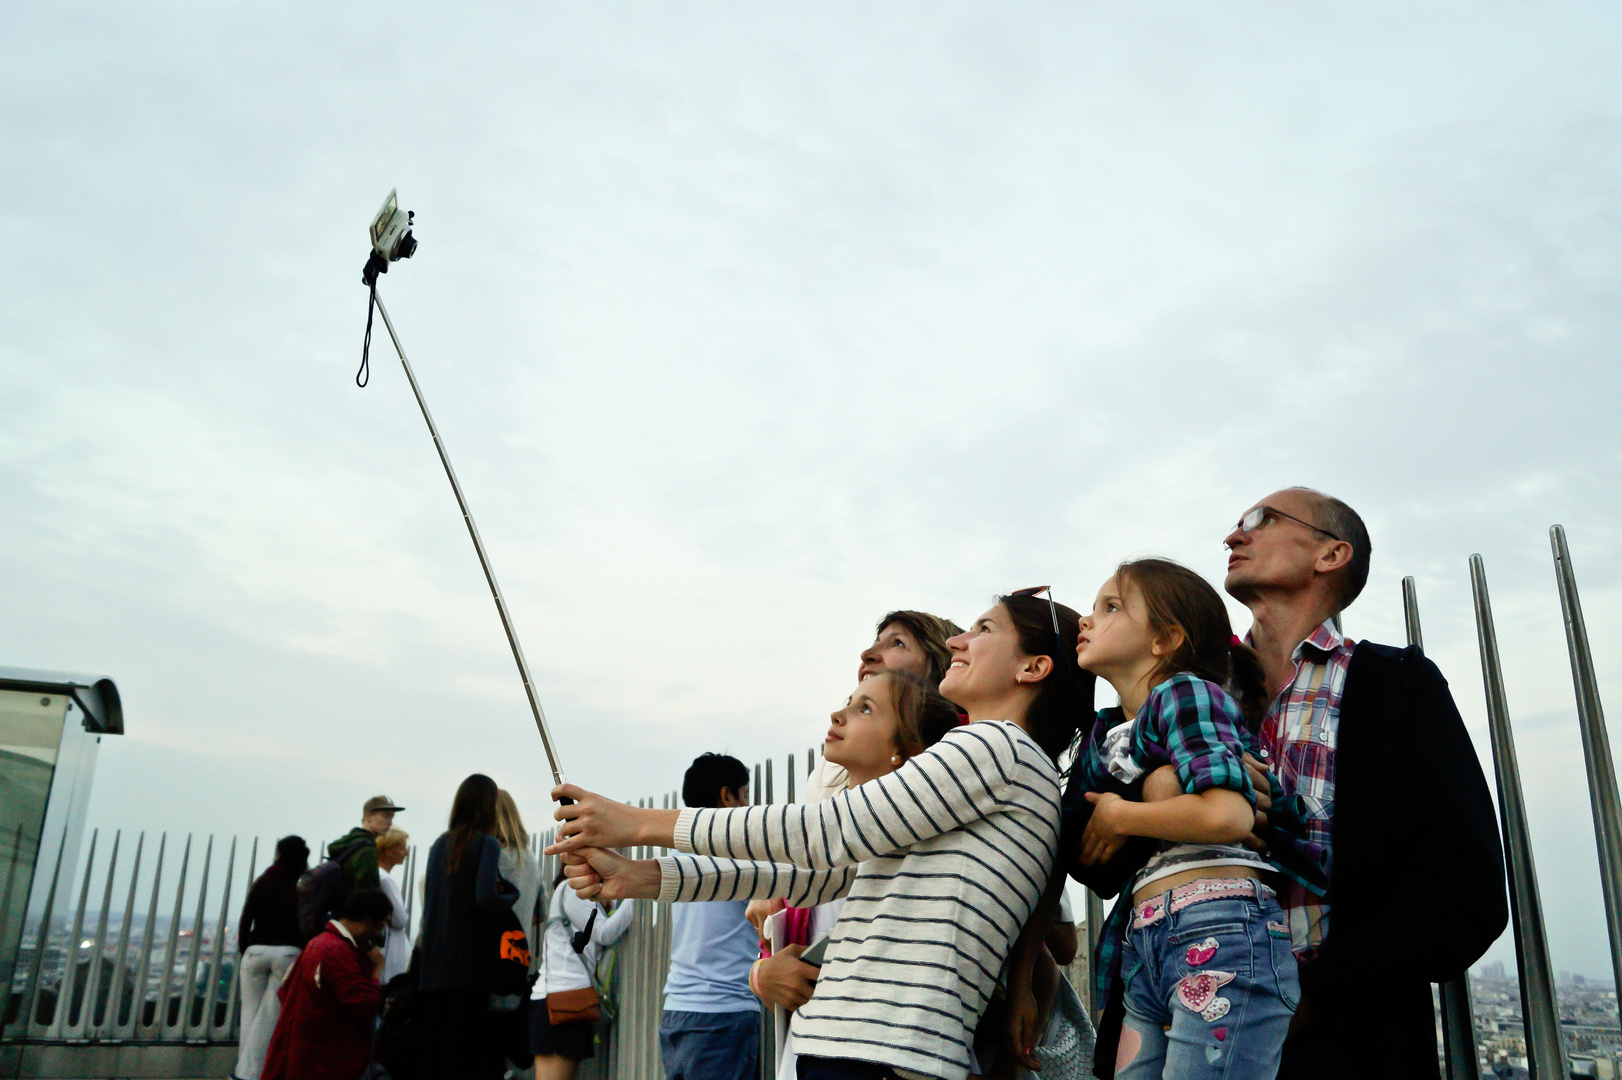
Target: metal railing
x=138, y=978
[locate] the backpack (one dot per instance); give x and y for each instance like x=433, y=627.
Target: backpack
x=318, y=891
x=505, y=950
x=606, y=979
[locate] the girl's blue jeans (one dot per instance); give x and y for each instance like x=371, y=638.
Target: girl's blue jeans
x=1210, y=987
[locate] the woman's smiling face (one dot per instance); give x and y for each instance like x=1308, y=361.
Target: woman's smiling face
x=986, y=659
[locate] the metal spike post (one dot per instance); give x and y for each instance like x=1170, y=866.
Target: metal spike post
x=114, y=1017
x=1540, y=1014
x=138, y=1005
x=1602, y=796
x=1458, y=1016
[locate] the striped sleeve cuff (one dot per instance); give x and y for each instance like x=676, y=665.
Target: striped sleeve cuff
x=684, y=829
x=670, y=879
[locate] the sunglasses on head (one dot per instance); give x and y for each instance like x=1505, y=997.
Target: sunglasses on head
x=1053, y=611
x=1257, y=516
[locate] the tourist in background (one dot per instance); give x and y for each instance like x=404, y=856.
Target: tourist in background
x=392, y=848
x=268, y=934
x=522, y=869
x=711, y=1024
x=356, y=849
x=331, y=997
x=461, y=893
x=518, y=864
x=569, y=979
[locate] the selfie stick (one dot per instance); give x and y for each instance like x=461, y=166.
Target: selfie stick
x=478, y=545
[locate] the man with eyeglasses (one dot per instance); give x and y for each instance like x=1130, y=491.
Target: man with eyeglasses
x=1369, y=748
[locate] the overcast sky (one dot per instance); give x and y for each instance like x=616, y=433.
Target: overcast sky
x=744, y=324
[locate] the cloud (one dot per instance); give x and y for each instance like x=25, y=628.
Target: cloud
x=745, y=326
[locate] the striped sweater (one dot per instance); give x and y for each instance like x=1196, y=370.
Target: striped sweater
x=942, y=860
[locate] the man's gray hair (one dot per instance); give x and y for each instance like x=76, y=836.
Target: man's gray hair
x=1332, y=516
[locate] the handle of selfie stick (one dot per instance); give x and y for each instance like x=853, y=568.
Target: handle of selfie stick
x=478, y=546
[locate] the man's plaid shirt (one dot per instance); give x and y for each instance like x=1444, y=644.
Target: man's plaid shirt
x=1300, y=732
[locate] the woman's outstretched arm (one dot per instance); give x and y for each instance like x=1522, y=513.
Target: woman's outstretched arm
x=595, y=874
x=971, y=773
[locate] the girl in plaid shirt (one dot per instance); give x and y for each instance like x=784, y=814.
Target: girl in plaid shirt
x=1201, y=949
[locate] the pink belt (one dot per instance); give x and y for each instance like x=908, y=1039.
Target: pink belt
x=1156, y=908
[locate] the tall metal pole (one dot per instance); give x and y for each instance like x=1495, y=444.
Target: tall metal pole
x=484, y=560
x=1539, y=1013
x=1458, y=1019
x=1602, y=795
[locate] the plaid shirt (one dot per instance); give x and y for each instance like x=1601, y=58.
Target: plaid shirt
x=1187, y=723
x=1300, y=732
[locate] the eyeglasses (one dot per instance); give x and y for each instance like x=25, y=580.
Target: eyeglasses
x=1037, y=590
x=1256, y=517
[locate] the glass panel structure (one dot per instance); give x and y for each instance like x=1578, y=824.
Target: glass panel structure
x=31, y=726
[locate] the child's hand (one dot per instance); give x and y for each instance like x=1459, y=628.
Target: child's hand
x=759, y=911
x=1021, y=1017
x=1103, y=837
x=1261, y=778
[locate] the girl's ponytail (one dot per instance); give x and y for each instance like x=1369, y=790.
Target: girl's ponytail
x=1248, y=682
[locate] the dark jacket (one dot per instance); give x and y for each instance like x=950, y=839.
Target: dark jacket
x=1417, y=889
x=328, y=1003
x=360, y=869
x=270, y=914
x=456, y=910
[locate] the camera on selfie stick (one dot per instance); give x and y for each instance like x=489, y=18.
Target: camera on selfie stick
x=392, y=241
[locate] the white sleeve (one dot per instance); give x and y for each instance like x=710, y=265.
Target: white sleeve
x=610, y=928
x=391, y=889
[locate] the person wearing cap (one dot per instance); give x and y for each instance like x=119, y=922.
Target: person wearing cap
x=356, y=850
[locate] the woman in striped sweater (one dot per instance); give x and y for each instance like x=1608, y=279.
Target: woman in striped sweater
x=941, y=861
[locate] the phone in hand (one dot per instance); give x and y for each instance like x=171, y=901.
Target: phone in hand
x=815, y=953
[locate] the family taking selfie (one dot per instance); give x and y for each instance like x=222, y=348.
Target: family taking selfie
x=1293, y=828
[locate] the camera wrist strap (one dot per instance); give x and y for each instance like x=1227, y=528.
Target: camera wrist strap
x=364, y=375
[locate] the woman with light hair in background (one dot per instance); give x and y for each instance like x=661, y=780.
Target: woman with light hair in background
x=518, y=864
x=392, y=850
